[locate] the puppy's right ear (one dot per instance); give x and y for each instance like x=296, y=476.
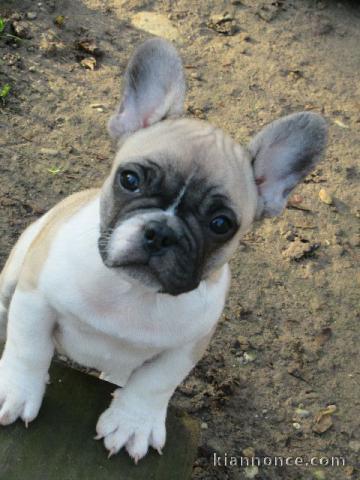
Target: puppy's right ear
x=154, y=88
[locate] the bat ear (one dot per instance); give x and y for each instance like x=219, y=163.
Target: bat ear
x=154, y=88
x=283, y=153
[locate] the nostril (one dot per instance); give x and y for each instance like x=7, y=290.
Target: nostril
x=158, y=237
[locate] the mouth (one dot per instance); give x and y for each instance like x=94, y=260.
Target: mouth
x=148, y=277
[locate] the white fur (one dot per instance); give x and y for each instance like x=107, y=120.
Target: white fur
x=140, y=339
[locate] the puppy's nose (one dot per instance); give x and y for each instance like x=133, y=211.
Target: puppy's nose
x=158, y=236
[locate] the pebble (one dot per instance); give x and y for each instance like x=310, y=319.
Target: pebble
x=325, y=197
x=249, y=356
x=355, y=445
x=319, y=475
x=251, y=472
x=249, y=452
x=21, y=29
x=31, y=15
x=204, y=426
x=297, y=425
x=49, y=151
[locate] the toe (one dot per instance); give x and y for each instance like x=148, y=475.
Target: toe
x=10, y=411
x=138, y=446
x=116, y=440
x=106, y=424
x=158, y=437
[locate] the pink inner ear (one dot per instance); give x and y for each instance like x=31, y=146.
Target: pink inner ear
x=259, y=181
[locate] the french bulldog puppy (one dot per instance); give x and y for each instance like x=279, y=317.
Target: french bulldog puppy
x=132, y=278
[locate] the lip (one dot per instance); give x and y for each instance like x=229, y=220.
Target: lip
x=137, y=271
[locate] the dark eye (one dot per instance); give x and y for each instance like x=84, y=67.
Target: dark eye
x=130, y=180
x=221, y=225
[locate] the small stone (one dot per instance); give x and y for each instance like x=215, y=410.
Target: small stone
x=302, y=412
x=196, y=76
x=249, y=357
x=319, y=475
x=49, y=151
x=59, y=20
x=251, y=472
x=21, y=29
x=31, y=15
x=355, y=445
x=204, y=426
x=296, y=425
x=249, y=452
x=325, y=197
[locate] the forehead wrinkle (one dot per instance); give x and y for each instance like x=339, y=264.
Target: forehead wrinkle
x=173, y=207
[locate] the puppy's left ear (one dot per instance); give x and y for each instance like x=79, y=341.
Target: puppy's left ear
x=283, y=153
x=154, y=88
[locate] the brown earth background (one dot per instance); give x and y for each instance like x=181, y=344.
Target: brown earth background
x=287, y=347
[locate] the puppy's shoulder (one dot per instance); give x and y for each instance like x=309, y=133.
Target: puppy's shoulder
x=51, y=223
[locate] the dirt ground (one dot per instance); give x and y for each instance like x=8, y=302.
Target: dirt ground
x=288, y=344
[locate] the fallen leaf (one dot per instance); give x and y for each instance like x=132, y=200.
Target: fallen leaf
x=340, y=123
x=298, y=250
x=323, y=420
x=325, y=196
x=88, y=62
x=89, y=46
x=223, y=24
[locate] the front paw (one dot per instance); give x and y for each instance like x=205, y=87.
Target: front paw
x=132, y=424
x=20, y=395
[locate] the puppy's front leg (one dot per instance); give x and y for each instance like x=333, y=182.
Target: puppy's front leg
x=137, y=414
x=26, y=358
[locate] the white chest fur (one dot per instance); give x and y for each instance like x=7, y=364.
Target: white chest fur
x=103, y=316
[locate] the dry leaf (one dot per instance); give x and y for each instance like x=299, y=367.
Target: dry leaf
x=339, y=123
x=325, y=197
x=323, y=420
x=89, y=46
x=88, y=62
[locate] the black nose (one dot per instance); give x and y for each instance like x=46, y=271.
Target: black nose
x=158, y=236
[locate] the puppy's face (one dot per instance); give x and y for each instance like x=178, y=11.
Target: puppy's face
x=172, y=209
x=181, y=192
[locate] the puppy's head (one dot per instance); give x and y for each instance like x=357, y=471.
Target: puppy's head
x=181, y=192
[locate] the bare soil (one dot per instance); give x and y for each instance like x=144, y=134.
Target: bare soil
x=288, y=344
